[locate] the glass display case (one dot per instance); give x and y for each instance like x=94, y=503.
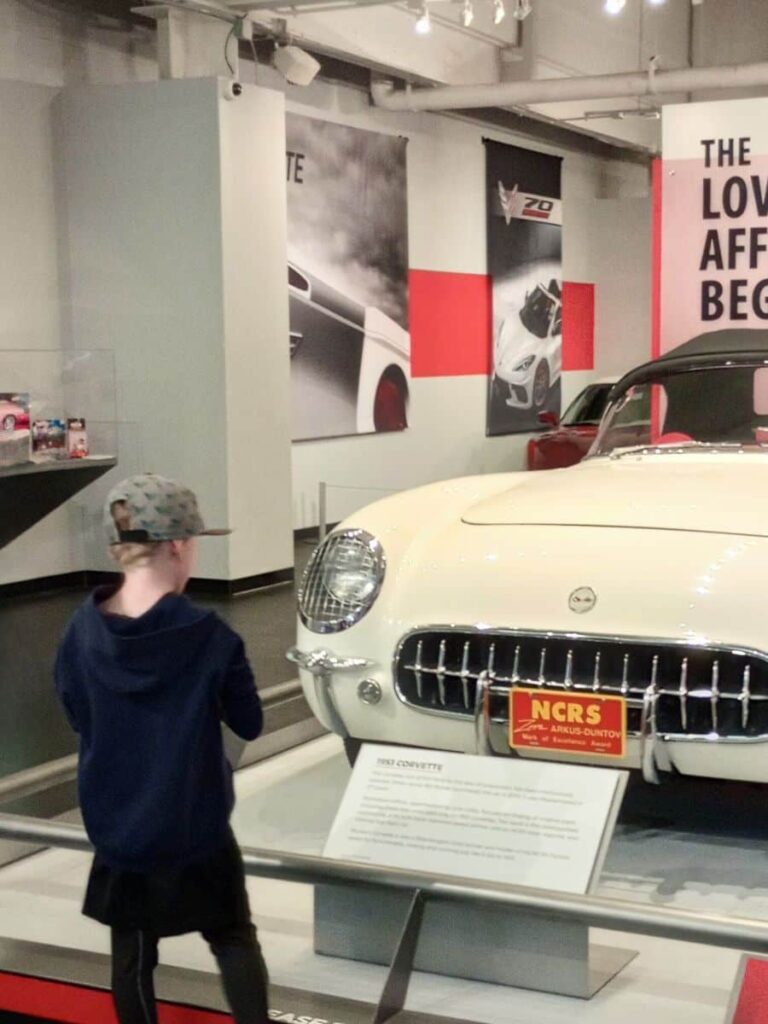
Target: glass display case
x=58, y=431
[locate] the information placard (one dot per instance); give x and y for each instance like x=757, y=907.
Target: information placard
x=506, y=820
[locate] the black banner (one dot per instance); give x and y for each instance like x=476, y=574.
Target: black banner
x=524, y=212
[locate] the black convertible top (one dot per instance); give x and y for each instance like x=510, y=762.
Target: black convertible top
x=736, y=344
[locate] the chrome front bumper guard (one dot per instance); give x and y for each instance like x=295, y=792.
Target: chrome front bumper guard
x=654, y=761
x=322, y=665
x=650, y=740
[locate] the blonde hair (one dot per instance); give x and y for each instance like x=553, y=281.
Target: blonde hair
x=134, y=556
x=130, y=555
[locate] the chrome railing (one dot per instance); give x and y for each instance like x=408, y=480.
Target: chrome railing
x=34, y=780
x=593, y=911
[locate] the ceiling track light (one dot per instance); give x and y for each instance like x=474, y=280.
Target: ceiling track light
x=614, y=6
x=467, y=13
x=522, y=9
x=424, y=23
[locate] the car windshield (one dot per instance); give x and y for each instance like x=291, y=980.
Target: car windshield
x=542, y=309
x=588, y=407
x=696, y=408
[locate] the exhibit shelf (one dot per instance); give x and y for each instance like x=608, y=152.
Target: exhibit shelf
x=28, y=492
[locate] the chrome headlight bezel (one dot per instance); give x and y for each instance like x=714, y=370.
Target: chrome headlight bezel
x=320, y=609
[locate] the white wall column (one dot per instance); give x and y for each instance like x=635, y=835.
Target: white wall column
x=173, y=206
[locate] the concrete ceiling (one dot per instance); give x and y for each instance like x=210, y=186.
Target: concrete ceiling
x=561, y=38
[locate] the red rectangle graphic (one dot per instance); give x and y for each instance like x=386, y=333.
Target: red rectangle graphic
x=578, y=326
x=450, y=322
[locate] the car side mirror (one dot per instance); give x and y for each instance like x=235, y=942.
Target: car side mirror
x=549, y=419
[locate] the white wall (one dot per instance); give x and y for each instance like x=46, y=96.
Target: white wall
x=447, y=225
x=446, y=199
x=29, y=295
x=257, y=359
x=174, y=230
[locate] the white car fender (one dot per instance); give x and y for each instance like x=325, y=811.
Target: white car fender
x=385, y=344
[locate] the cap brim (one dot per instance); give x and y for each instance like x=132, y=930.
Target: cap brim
x=214, y=533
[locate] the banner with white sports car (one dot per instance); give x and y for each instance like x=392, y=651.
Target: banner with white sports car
x=347, y=279
x=711, y=220
x=524, y=214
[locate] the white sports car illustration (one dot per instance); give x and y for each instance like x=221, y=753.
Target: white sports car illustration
x=527, y=356
x=350, y=364
x=637, y=575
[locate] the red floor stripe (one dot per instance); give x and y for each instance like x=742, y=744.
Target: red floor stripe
x=75, y=1004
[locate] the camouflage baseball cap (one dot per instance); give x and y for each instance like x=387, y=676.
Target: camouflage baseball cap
x=153, y=508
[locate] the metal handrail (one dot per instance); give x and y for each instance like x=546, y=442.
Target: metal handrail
x=42, y=776
x=594, y=911
x=64, y=769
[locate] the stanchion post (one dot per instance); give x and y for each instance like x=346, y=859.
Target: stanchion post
x=395, y=990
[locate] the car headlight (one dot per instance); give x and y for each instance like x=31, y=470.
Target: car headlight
x=525, y=365
x=342, y=581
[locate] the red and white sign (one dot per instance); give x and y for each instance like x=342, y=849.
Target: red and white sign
x=574, y=723
x=517, y=205
x=711, y=195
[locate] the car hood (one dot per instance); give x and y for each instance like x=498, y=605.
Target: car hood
x=698, y=493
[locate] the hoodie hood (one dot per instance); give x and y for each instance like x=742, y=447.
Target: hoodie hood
x=145, y=653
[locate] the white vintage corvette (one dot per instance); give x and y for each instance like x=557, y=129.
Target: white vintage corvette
x=641, y=573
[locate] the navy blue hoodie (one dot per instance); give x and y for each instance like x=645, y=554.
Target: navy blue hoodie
x=147, y=697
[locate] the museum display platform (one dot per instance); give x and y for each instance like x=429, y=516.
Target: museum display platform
x=674, y=847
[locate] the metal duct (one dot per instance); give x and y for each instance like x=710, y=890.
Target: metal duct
x=556, y=90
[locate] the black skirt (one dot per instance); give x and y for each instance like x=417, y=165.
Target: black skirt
x=204, y=896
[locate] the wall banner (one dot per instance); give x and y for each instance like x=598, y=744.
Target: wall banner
x=714, y=220
x=524, y=215
x=347, y=279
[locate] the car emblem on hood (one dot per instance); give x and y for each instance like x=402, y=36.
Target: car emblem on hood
x=582, y=600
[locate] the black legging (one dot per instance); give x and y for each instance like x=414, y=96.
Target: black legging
x=238, y=954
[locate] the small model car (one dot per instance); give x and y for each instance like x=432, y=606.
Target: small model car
x=350, y=364
x=527, y=354
x=638, y=575
x=13, y=416
x=569, y=439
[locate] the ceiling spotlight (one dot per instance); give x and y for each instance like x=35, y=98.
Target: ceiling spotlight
x=424, y=24
x=522, y=10
x=614, y=6
x=467, y=14
x=656, y=3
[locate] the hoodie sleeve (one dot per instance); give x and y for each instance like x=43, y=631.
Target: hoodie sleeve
x=240, y=703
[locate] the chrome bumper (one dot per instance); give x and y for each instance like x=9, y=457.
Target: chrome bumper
x=322, y=665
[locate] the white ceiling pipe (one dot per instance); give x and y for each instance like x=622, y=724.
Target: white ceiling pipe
x=555, y=90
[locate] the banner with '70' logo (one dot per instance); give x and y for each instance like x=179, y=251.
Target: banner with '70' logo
x=524, y=230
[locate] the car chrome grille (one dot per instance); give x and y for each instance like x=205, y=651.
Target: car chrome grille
x=695, y=690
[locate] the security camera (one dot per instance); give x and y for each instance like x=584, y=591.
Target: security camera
x=230, y=90
x=296, y=65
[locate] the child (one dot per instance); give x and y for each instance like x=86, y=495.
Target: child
x=145, y=678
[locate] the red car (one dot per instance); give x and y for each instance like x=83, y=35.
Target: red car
x=569, y=439
x=13, y=416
